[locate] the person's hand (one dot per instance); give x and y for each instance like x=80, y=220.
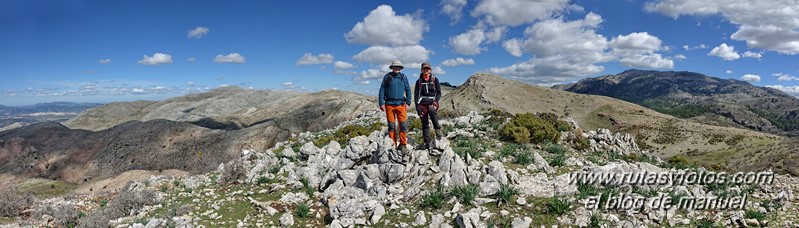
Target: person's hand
x=383, y=108
x=407, y=106
x=435, y=103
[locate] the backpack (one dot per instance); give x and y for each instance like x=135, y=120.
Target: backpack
x=387, y=82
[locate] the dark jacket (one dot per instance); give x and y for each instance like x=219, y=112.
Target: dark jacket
x=426, y=91
x=394, y=90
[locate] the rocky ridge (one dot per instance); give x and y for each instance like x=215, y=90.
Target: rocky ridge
x=366, y=182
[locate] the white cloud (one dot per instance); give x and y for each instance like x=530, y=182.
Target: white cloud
x=198, y=32
x=638, y=50
x=371, y=73
x=562, y=50
x=364, y=82
x=755, y=55
x=792, y=90
x=288, y=85
x=438, y=71
x=513, y=47
x=341, y=65
x=230, y=58
x=310, y=59
x=453, y=9
x=768, y=25
x=190, y=83
x=384, y=55
x=729, y=71
x=751, y=77
x=471, y=41
x=343, y=68
x=518, y=12
x=785, y=77
x=137, y=91
x=156, y=59
x=725, y=52
x=383, y=27
x=680, y=57
x=104, y=61
x=191, y=60
x=457, y=62
x=688, y=48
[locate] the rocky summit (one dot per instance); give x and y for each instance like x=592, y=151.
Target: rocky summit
x=473, y=177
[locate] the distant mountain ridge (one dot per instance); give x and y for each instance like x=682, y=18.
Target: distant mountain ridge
x=47, y=107
x=193, y=133
x=710, y=100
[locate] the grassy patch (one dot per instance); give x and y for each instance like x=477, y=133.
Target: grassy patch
x=465, y=145
x=524, y=158
x=466, y=193
x=506, y=193
x=303, y=210
x=434, y=199
x=558, y=206
x=753, y=214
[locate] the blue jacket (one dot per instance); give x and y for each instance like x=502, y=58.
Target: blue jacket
x=395, y=92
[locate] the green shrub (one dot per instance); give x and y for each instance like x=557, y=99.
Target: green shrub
x=234, y=171
x=678, y=162
x=557, y=160
x=548, y=117
x=586, y=190
x=538, y=130
x=524, y=158
x=310, y=190
x=263, y=180
x=465, y=145
x=595, y=221
x=103, y=202
x=466, y=193
x=303, y=210
x=705, y=223
x=555, y=149
x=753, y=214
x=434, y=199
x=506, y=193
x=507, y=149
x=558, y=206
x=344, y=134
x=562, y=126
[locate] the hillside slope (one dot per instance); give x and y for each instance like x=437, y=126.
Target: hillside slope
x=665, y=135
x=711, y=100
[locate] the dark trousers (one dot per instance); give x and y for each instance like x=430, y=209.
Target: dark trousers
x=428, y=112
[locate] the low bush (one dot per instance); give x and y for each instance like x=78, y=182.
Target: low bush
x=537, y=129
x=13, y=202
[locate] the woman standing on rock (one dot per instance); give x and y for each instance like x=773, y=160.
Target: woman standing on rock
x=426, y=94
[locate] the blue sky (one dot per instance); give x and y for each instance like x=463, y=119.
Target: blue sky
x=104, y=51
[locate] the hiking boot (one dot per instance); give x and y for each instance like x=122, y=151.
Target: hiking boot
x=423, y=146
x=438, y=134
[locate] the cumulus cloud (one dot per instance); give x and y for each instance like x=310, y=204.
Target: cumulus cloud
x=680, y=57
x=792, y=90
x=288, y=85
x=567, y=50
x=457, y=62
x=755, y=55
x=785, y=77
x=513, y=47
x=383, y=27
x=104, y=61
x=518, y=12
x=310, y=59
x=725, y=52
x=230, y=58
x=371, y=74
x=384, y=55
x=638, y=50
x=190, y=83
x=750, y=78
x=198, y=32
x=729, y=72
x=156, y=59
x=343, y=65
x=453, y=9
x=471, y=41
x=768, y=25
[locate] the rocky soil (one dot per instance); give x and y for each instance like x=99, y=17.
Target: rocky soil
x=470, y=179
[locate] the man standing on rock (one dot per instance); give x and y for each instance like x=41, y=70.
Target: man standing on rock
x=426, y=94
x=395, y=99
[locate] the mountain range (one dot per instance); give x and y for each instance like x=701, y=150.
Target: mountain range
x=705, y=99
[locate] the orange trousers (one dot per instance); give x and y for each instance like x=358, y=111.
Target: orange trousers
x=399, y=113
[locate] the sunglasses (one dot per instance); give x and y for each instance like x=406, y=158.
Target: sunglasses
x=426, y=68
